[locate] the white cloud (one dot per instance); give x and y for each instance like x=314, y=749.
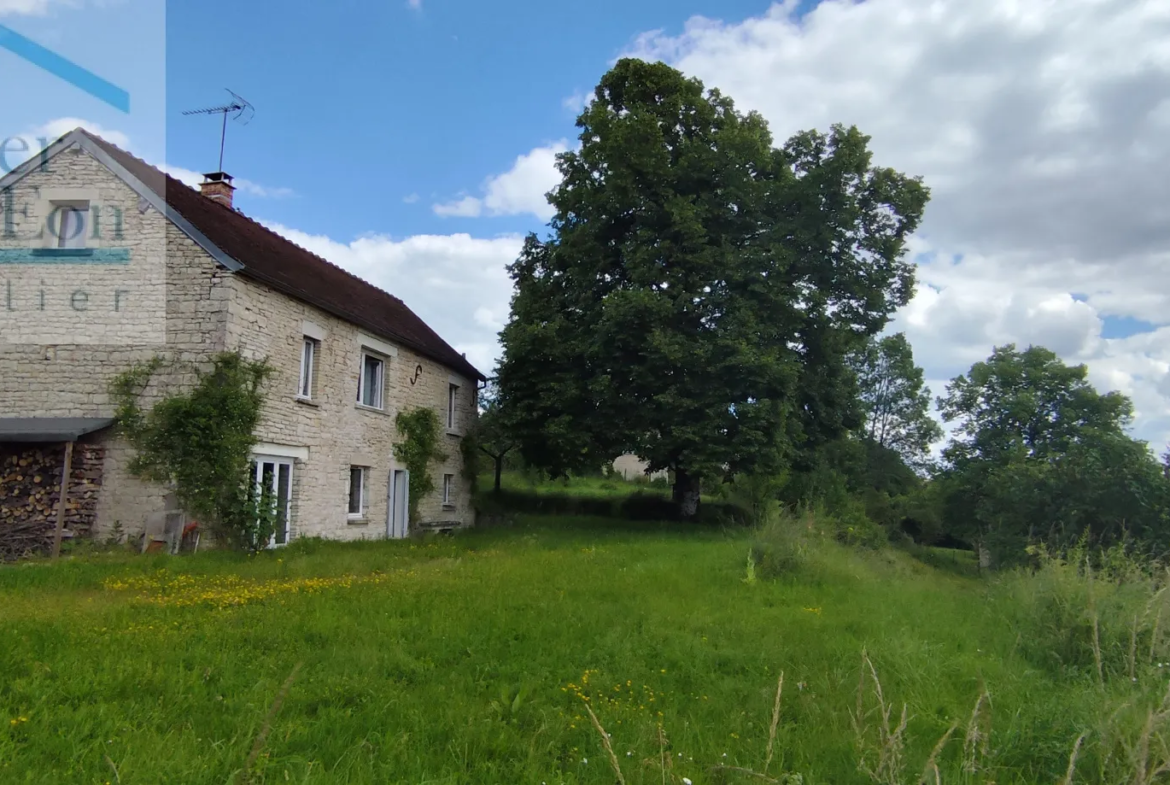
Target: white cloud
x=263, y=191
x=410, y=198
x=415, y=5
x=467, y=207
x=186, y=176
x=576, y=102
x=1042, y=131
x=517, y=191
x=19, y=148
x=456, y=283
x=193, y=179
x=24, y=7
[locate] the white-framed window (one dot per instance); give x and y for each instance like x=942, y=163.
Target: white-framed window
x=70, y=224
x=372, y=383
x=309, y=351
x=452, y=398
x=448, y=488
x=358, y=479
x=273, y=478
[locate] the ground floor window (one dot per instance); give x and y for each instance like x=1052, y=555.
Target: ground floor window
x=448, y=488
x=273, y=477
x=358, y=491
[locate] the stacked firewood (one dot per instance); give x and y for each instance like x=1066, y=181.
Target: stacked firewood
x=30, y=484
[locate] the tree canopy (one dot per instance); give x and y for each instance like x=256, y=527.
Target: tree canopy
x=895, y=400
x=701, y=289
x=1038, y=453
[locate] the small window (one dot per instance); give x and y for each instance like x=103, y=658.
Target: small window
x=448, y=487
x=452, y=396
x=71, y=225
x=371, y=384
x=357, y=491
x=308, y=368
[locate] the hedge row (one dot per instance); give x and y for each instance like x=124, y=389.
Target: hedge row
x=635, y=507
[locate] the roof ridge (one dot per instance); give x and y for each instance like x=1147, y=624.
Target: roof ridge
x=170, y=178
x=356, y=300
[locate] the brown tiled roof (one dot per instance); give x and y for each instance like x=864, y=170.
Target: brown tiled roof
x=283, y=265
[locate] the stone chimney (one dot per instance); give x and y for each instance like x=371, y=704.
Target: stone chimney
x=218, y=186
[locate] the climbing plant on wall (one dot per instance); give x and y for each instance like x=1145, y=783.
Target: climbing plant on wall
x=419, y=429
x=199, y=439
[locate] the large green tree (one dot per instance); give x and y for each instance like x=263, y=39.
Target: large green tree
x=1038, y=453
x=701, y=289
x=894, y=399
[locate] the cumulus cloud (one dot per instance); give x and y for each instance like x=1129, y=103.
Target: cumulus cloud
x=456, y=283
x=1043, y=132
x=517, y=191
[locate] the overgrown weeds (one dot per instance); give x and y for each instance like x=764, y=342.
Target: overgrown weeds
x=788, y=543
x=1099, y=615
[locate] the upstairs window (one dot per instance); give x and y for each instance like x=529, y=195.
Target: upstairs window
x=309, y=352
x=70, y=224
x=371, y=385
x=452, y=397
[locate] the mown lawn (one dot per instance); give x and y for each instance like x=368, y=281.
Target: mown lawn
x=461, y=660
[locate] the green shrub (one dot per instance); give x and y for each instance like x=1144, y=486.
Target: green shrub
x=199, y=440
x=418, y=448
x=783, y=544
x=1097, y=614
x=854, y=528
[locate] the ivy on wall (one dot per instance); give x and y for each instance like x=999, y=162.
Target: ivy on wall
x=199, y=441
x=417, y=450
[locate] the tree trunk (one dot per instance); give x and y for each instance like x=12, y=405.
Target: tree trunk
x=686, y=493
x=499, y=470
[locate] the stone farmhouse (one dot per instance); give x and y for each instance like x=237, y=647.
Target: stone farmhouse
x=105, y=261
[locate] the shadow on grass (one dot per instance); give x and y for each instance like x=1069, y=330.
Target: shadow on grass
x=952, y=560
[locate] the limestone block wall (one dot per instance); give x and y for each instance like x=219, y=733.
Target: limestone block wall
x=336, y=429
x=69, y=325
x=149, y=290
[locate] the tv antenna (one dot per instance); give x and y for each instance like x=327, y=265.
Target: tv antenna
x=238, y=108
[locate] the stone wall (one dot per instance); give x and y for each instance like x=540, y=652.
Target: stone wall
x=30, y=486
x=59, y=361
x=339, y=432
x=64, y=367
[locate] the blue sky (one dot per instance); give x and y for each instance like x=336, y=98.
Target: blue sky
x=361, y=104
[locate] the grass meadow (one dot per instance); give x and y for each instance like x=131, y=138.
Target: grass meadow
x=471, y=659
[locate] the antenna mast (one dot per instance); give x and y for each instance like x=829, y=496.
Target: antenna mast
x=240, y=110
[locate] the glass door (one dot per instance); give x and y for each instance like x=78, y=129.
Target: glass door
x=274, y=481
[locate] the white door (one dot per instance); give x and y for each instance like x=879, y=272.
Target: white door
x=397, y=523
x=274, y=475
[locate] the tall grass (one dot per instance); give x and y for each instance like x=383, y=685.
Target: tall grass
x=466, y=659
